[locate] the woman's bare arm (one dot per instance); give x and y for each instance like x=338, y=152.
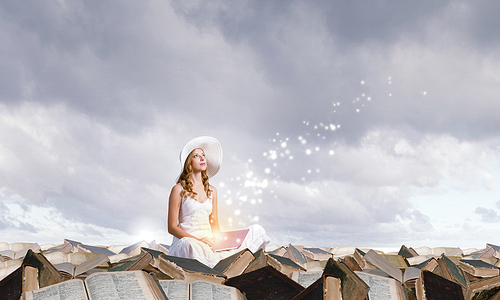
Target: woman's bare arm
x=214, y=216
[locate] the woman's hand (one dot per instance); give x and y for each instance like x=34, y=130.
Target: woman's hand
x=209, y=241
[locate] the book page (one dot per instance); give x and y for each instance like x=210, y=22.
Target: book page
x=305, y=279
x=411, y=273
x=65, y=267
x=383, y=264
x=127, y=285
x=202, y=290
x=175, y=289
x=90, y=263
x=67, y=290
x=381, y=288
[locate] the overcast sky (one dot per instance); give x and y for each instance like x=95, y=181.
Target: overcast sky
x=354, y=123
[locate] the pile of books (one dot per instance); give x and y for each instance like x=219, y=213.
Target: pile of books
x=144, y=270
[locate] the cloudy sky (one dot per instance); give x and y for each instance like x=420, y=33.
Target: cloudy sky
x=343, y=123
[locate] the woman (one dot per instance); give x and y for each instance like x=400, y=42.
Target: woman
x=192, y=207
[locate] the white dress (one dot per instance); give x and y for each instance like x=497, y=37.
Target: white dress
x=194, y=219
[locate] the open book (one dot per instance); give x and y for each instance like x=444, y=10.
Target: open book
x=103, y=286
x=201, y=290
x=69, y=270
x=382, y=286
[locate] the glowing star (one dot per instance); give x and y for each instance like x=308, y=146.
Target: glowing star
x=237, y=212
x=283, y=144
x=308, y=151
x=357, y=110
x=265, y=183
x=267, y=170
x=362, y=82
x=331, y=152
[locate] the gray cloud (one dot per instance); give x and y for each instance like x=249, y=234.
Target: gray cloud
x=487, y=214
x=98, y=98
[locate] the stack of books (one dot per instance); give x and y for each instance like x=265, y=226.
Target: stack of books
x=144, y=270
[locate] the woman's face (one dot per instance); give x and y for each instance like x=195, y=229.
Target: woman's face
x=198, y=162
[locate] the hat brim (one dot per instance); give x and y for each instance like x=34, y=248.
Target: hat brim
x=212, y=149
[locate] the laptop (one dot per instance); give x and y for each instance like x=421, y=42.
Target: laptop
x=230, y=240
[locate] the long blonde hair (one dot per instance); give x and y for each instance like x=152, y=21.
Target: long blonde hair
x=185, y=179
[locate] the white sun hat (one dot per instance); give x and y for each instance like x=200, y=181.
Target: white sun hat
x=212, y=149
